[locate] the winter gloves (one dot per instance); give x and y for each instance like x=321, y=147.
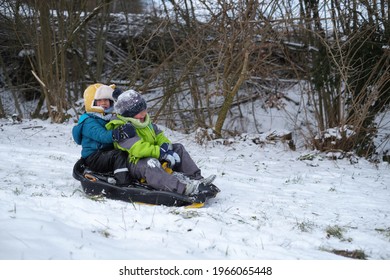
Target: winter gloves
x=165, y=147
x=166, y=150
x=123, y=132
x=167, y=154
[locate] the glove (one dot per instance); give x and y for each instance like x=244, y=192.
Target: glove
x=168, y=157
x=166, y=153
x=165, y=147
x=171, y=157
x=176, y=157
x=123, y=132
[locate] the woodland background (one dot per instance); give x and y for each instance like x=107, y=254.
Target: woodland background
x=201, y=59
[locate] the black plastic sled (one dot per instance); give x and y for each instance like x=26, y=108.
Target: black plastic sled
x=98, y=184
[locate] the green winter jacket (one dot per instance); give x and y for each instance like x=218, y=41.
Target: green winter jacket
x=146, y=142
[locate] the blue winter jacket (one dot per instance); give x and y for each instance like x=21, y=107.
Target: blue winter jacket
x=92, y=135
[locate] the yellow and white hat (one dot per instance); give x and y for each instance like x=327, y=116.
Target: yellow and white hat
x=95, y=92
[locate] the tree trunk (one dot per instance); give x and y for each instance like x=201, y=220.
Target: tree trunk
x=230, y=97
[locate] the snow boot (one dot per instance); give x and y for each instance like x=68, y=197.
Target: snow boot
x=192, y=188
x=207, y=181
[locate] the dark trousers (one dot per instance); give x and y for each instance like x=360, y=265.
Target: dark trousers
x=114, y=161
x=151, y=170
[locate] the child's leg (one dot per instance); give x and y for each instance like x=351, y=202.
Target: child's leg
x=187, y=166
x=150, y=169
x=121, y=172
x=110, y=161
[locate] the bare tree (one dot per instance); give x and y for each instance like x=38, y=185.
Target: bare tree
x=349, y=77
x=207, y=65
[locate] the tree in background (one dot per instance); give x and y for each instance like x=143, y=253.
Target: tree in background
x=52, y=37
x=350, y=72
x=206, y=65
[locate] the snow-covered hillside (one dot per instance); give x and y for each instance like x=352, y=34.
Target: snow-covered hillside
x=274, y=205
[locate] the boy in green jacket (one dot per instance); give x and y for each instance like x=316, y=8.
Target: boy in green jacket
x=148, y=147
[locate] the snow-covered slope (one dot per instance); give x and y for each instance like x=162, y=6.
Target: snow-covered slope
x=273, y=205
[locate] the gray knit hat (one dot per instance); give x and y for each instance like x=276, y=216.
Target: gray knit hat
x=130, y=103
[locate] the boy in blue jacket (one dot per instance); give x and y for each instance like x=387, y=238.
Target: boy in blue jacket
x=97, y=142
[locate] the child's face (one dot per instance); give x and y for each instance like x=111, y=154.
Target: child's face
x=104, y=103
x=141, y=116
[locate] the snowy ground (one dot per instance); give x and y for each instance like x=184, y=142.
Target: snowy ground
x=273, y=206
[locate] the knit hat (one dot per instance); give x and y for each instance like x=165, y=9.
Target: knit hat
x=130, y=103
x=116, y=93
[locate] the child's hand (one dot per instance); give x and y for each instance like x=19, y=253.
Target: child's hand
x=167, y=154
x=123, y=132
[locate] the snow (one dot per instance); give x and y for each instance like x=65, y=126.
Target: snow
x=275, y=204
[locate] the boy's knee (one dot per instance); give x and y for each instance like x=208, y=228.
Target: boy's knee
x=153, y=163
x=178, y=147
